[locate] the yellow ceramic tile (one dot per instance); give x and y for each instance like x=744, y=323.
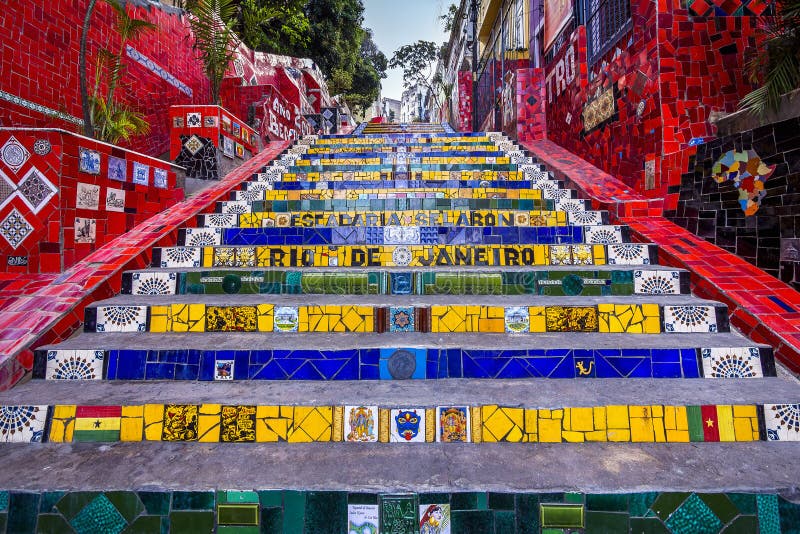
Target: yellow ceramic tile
x=617, y=417
x=597, y=435
x=153, y=421
x=582, y=419
x=311, y=423
x=681, y=418
x=538, y=320
x=741, y=410
x=573, y=437
x=678, y=436
x=652, y=321
x=476, y=424
x=599, y=415
x=270, y=425
x=725, y=422
x=642, y=429
x=265, y=317
x=131, y=423
x=502, y=424
x=208, y=427
x=62, y=423
x=618, y=435
x=658, y=429
x=159, y=318
x=549, y=430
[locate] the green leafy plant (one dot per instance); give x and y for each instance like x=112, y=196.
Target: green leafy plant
x=212, y=23
x=776, y=64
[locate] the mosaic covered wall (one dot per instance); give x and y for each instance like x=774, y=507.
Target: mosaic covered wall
x=464, y=101
x=530, y=98
x=741, y=193
x=337, y=512
x=39, y=86
x=62, y=196
x=644, y=101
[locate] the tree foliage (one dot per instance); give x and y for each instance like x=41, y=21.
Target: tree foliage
x=273, y=25
x=417, y=62
x=776, y=64
x=212, y=24
x=449, y=18
x=366, y=80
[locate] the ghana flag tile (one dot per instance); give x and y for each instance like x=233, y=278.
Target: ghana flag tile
x=97, y=423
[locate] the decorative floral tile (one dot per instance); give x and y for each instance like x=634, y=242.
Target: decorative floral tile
x=153, y=283
x=15, y=228
x=87, y=197
x=35, y=190
x=401, y=235
x=657, y=282
x=629, y=254
x=89, y=161
x=180, y=257
x=22, y=424
x=690, y=319
x=160, y=178
x=402, y=256
x=286, y=319
x=782, y=422
x=401, y=319
x=517, y=319
x=85, y=230
x=141, y=173
x=235, y=206
x=407, y=425
x=223, y=370
x=121, y=319
x=193, y=145
x=194, y=120
x=585, y=218
x=570, y=205
x=603, y=235
x=220, y=220
x=434, y=518
x=731, y=362
x=453, y=424
x=14, y=154
x=203, y=237
x=115, y=199
x=361, y=424
x=42, y=147
x=117, y=169
x=75, y=364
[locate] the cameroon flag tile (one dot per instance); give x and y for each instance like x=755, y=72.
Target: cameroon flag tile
x=97, y=423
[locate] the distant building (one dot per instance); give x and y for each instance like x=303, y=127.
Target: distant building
x=391, y=109
x=413, y=104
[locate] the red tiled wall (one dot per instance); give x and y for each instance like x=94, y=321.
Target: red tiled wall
x=530, y=95
x=39, y=63
x=50, y=245
x=464, y=101
x=179, y=126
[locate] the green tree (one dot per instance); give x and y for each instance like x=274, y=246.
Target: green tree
x=366, y=80
x=449, y=18
x=776, y=63
x=417, y=61
x=275, y=26
x=212, y=23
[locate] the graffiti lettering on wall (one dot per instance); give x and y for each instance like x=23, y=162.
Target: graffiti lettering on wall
x=282, y=120
x=562, y=75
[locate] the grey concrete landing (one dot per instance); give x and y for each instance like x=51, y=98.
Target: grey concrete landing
x=350, y=340
x=446, y=467
x=529, y=393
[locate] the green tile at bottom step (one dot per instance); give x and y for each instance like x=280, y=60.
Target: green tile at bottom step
x=561, y=515
x=744, y=524
x=229, y=529
x=721, y=505
x=527, y=505
x=604, y=522
x=146, y=524
x=504, y=521
x=272, y=521
x=51, y=524
x=191, y=522
x=3, y=521
x=472, y=521
x=126, y=502
x=648, y=525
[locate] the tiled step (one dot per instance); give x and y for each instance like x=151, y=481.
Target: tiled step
x=388, y=180
x=406, y=235
x=407, y=313
x=404, y=255
x=406, y=192
x=391, y=153
x=454, y=218
x=605, y=280
x=400, y=356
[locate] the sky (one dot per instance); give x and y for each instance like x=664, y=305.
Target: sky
x=395, y=23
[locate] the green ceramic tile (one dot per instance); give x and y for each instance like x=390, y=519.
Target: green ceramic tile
x=605, y=522
x=294, y=507
x=648, y=525
x=744, y=502
x=721, y=505
x=434, y=498
x=769, y=520
x=464, y=501
x=3, y=521
x=191, y=522
x=744, y=524
x=501, y=501
x=695, y=420
x=666, y=503
x=482, y=501
x=573, y=498
x=237, y=514
x=193, y=500
x=145, y=524
x=561, y=515
x=231, y=496
x=269, y=499
x=504, y=521
x=362, y=498
x=100, y=515
x=555, y=531
x=622, y=277
x=272, y=520
x=48, y=502
x=155, y=502
x=226, y=529
x=639, y=504
x=789, y=516
x=693, y=517
x=3, y=501
x=607, y=502
x=127, y=503
x=472, y=521
x=326, y=512
x=22, y=510
x=399, y=513
x=73, y=502
x=551, y=497
x=51, y=524
x=527, y=505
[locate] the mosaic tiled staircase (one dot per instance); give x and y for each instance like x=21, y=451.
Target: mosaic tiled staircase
x=416, y=253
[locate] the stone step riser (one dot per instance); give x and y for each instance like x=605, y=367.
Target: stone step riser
x=405, y=256
x=402, y=364
x=446, y=218
x=550, y=283
x=639, y=318
x=406, y=235
x=365, y=423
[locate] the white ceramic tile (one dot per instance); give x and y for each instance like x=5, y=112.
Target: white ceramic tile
x=75, y=364
x=690, y=319
x=153, y=283
x=361, y=424
x=434, y=518
x=782, y=422
x=731, y=362
x=407, y=425
x=121, y=319
x=22, y=424
x=203, y=237
x=629, y=254
x=180, y=257
x=603, y=235
x=657, y=282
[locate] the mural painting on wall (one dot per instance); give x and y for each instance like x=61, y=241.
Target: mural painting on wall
x=748, y=174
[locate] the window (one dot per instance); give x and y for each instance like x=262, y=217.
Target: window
x=606, y=22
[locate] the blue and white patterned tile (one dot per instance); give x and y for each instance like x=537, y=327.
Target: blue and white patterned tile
x=731, y=362
x=75, y=364
x=22, y=424
x=656, y=282
x=203, y=237
x=407, y=425
x=690, y=319
x=251, y=194
x=220, y=220
x=180, y=257
x=401, y=319
x=14, y=154
x=608, y=234
x=629, y=254
x=782, y=422
x=570, y=205
x=89, y=161
x=401, y=235
x=517, y=319
x=153, y=283
x=585, y=218
x=141, y=173
x=121, y=319
x=235, y=206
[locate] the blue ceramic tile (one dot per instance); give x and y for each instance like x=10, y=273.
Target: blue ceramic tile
x=270, y=371
x=160, y=371
x=689, y=363
x=369, y=372
x=666, y=370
